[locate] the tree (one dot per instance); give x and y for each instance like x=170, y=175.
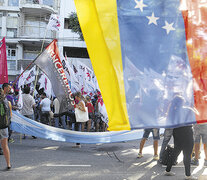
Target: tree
x=74, y=24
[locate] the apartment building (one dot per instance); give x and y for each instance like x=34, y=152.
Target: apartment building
x=23, y=23
x=69, y=43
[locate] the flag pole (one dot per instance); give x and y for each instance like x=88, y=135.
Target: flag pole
x=31, y=62
x=23, y=71
x=43, y=42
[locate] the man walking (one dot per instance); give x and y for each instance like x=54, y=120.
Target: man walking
x=28, y=105
x=200, y=132
x=45, y=108
x=156, y=137
x=4, y=132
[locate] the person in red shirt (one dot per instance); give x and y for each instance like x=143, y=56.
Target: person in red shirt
x=90, y=107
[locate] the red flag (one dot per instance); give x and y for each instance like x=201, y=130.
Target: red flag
x=195, y=27
x=3, y=62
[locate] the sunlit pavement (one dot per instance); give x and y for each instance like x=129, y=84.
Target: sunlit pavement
x=40, y=159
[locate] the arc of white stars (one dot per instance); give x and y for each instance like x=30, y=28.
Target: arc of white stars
x=168, y=27
x=152, y=19
x=140, y=5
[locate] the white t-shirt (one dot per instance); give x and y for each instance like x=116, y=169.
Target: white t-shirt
x=45, y=104
x=28, y=102
x=56, y=106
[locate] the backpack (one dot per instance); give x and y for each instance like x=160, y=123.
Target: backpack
x=167, y=154
x=4, y=115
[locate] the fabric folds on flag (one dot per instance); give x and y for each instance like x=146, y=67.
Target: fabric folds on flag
x=49, y=62
x=70, y=74
x=149, y=60
x=24, y=125
x=46, y=84
x=112, y=88
x=3, y=62
x=27, y=77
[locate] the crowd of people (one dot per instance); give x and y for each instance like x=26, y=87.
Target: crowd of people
x=47, y=110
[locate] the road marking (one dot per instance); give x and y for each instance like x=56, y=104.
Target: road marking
x=68, y=165
x=51, y=148
x=182, y=165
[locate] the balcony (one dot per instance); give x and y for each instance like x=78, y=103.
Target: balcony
x=35, y=32
x=38, y=6
x=41, y=2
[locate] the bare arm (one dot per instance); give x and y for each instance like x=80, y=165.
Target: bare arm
x=10, y=107
x=81, y=106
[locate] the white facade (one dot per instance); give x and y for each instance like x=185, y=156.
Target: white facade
x=23, y=23
x=68, y=39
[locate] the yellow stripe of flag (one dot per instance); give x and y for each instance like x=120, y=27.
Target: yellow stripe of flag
x=99, y=24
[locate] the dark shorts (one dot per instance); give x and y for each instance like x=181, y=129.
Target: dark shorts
x=155, y=133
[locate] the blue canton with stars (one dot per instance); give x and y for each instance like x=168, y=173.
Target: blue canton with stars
x=153, y=45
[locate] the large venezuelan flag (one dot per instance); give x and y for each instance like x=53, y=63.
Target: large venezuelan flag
x=149, y=58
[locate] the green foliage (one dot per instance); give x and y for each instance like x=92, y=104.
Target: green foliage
x=74, y=24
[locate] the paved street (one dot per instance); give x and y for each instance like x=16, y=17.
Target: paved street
x=37, y=159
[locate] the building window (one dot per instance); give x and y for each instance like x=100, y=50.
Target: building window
x=11, y=54
x=29, y=1
x=35, y=27
x=36, y=2
x=1, y=19
x=45, y=2
x=11, y=65
x=13, y=2
x=11, y=58
x=31, y=52
x=30, y=55
x=75, y=52
x=1, y=2
x=66, y=23
x=11, y=32
x=12, y=20
x=48, y=2
x=12, y=24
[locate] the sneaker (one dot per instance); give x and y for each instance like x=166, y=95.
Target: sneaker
x=191, y=177
x=11, y=140
x=169, y=173
x=139, y=155
x=8, y=168
x=194, y=162
x=77, y=146
x=155, y=157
